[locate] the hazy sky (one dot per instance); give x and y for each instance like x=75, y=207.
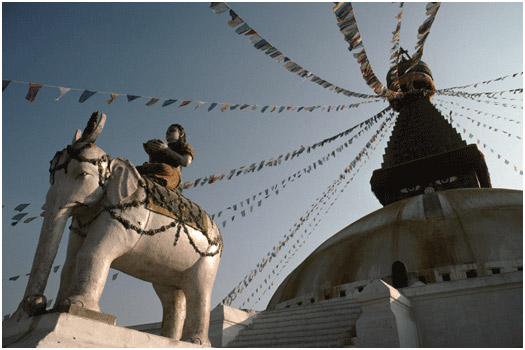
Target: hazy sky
x=186, y=52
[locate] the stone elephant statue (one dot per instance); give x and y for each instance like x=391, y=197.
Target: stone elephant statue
x=111, y=227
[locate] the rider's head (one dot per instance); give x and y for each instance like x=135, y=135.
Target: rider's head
x=175, y=133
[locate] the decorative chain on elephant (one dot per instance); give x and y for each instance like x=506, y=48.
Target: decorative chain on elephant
x=129, y=223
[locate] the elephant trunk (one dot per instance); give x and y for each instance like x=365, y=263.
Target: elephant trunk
x=55, y=220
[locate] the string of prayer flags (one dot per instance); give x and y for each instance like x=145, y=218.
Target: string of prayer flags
x=474, y=98
x=282, y=243
x=278, y=56
x=491, y=102
x=424, y=30
x=491, y=94
x=484, y=145
x=348, y=27
x=33, y=91
x=319, y=216
x=478, y=111
x=482, y=124
x=475, y=85
x=278, y=160
x=394, y=51
x=167, y=102
x=275, y=188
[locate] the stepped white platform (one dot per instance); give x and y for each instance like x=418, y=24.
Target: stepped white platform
x=70, y=330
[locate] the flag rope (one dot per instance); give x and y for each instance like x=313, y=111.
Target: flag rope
x=278, y=56
x=275, y=188
x=348, y=27
x=484, y=145
x=275, y=161
x=378, y=141
x=260, y=266
x=478, y=111
x=34, y=89
x=479, y=123
x=475, y=85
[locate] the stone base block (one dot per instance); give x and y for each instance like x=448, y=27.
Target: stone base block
x=68, y=330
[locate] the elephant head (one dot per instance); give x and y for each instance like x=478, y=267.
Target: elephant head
x=79, y=176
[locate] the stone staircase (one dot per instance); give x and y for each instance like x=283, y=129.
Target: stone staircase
x=327, y=324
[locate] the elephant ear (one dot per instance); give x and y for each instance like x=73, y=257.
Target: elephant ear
x=123, y=181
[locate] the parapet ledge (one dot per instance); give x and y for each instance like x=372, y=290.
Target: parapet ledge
x=377, y=290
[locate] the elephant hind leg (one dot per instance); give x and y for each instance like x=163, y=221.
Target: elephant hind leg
x=173, y=310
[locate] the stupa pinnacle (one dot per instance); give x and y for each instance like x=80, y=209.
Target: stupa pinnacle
x=424, y=153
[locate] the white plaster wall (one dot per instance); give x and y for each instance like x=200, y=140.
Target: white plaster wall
x=479, y=312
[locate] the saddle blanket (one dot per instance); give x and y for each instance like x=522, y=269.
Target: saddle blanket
x=173, y=204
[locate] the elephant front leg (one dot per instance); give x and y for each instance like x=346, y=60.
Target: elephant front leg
x=173, y=310
x=68, y=269
x=105, y=241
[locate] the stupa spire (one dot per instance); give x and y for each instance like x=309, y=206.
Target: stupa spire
x=425, y=153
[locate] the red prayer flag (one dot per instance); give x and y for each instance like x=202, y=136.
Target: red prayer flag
x=33, y=91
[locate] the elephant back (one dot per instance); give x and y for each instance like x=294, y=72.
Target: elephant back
x=174, y=205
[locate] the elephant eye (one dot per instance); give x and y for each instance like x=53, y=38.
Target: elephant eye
x=82, y=175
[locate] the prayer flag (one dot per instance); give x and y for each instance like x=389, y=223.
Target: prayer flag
x=33, y=91
x=168, y=102
x=225, y=107
x=264, y=109
x=185, y=103
x=85, y=95
x=5, y=83
x=152, y=101
x=63, y=91
x=14, y=278
x=132, y=97
x=242, y=29
x=113, y=97
x=235, y=22
x=199, y=103
x=244, y=106
x=18, y=217
x=219, y=7
x=28, y=220
x=55, y=269
x=212, y=106
x=234, y=107
x=260, y=44
x=21, y=207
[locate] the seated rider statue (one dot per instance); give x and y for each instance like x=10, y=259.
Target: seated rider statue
x=165, y=160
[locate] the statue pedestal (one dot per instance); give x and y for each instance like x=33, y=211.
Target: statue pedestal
x=76, y=329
